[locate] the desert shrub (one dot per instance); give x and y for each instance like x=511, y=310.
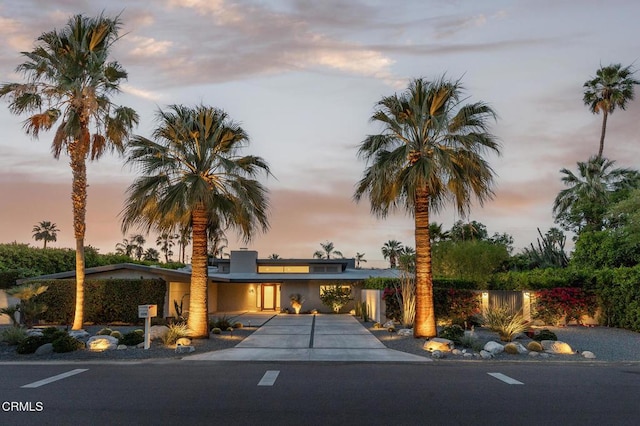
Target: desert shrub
x=238, y=325
x=139, y=331
x=222, y=323
x=104, y=332
x=534, y=346
x=452, y=332
x=30, y=344
x=545, y=334
x=216, y=330
x=13, y=335
x=470, y=342
x=457, y=306
x=52, y=333
x=66, y=343
x=391, y=298
x=176, y=331
x=132, y=338
x=116, y=334
x=505, y=322
x=335, y=296
x=511, y=348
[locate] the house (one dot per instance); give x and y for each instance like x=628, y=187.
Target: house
x=243, y=282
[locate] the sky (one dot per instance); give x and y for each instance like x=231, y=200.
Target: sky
x=302, y=77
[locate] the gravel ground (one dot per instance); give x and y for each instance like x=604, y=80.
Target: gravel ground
x=608, y=344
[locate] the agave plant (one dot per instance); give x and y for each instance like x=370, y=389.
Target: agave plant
x=508, y=324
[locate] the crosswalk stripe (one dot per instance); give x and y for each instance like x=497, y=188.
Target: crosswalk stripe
x=269, y=378
x=508, y=380
x=55, y=378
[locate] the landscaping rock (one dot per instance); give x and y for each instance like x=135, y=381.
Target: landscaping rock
x=388, y=324
x=184, y=349
x=457, y=352
x=493, y=348
x=158, y=331
x=467, y=355
x=515, y=348
x=438, y=344
x=485, y=354
x=121, y=347
x=45, y=349
x=102, y=343
x=534, y=354
x=79, y=334
x=405, y=332
x=34, y=332
x=556, y=347
x=183, y=341
x=588, y=355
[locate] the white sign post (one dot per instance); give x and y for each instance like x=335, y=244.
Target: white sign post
x=147, y=312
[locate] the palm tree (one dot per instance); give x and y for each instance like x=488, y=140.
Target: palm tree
x=407, y=259
x=611, y=87
x=583, y=205
x=151, y=255
x=327, y=250
x=184, y=238
x=138, y=240
x=391, y=250
x=165, y=242
x=70, y=81
x=429, y=152
x=436, y=233
x=217, y=241
x=46, y=231
x=360, y=258
x=125, y=248
x=274, y=256
x=193, y=174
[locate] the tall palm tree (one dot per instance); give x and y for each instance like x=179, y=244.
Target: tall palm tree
x=69, y=81
x=360, y=258
x=193, y=174
x=391, y=250
x=611, y=88
x=46, y=231
x=436, y=233
x=429, y=152
x=138, y=241
x=184, y=238
x=583, y=205
x=274, y=256
x=125, y=248
x=328, y=249
x=166, y=241
x=217, y=240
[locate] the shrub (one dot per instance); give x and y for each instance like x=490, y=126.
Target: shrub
x=391, y=298
x=545, y=334
x=13, y=335
x=471, y=342
x=116, y=334
x=335, y=297
x=176, y=331
x=453, y=332
x=139, y=331
x=132, y=338
x=222, y=323
x=216, y=330
x=506, y=323
x=511, y=348
x=104, y=332
x=66, y=343
x=534, y=346
x=30, y=344
x=457, y=306
x=565, y=303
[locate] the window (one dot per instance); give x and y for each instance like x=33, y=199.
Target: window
x=275, y=269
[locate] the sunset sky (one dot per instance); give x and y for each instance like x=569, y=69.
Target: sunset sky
x=303, y=76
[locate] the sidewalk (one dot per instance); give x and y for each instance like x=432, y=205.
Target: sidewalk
x=321, y=337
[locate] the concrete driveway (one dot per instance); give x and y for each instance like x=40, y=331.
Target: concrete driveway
x=320, y=337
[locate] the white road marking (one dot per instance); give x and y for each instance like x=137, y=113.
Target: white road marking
x=508, y=380
x=269, y=378
x=55, y=378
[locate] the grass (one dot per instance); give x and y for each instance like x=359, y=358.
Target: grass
x=505, y=322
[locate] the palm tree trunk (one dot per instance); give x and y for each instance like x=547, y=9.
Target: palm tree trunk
x=79, y=201
x=198, y=321
x=425, y=322
x=605, y=114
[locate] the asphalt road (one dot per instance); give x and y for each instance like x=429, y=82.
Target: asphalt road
x=193, y=393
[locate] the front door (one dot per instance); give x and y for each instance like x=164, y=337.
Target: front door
x=268, y=297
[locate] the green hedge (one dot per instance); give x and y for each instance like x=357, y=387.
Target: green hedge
x=382, y=283
x=106, y=301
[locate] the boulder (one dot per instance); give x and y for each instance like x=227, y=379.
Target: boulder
x=467, y=355
x=534, y=354
x=183, y=341
x=102, y=343
x=184, y=349
x=556, y=347
x=121, y=347
x=438, y=344
x=158, y=331
x=457, y=352
x=79, y=334
x=515, y=348
x=34, y=332
x=405, y=332
x=45, y=349
x=493, y=348
x=485, y=354
x=388, y=324
x=588, y=355
x=437, y=354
